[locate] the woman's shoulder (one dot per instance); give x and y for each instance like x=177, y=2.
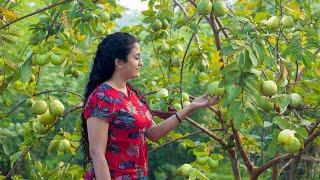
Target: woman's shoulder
x=101, y=92
x=104, y=87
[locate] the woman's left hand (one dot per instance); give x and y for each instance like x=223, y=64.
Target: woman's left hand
x=204, y=101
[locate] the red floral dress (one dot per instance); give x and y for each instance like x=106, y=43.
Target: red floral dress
x=128, y=118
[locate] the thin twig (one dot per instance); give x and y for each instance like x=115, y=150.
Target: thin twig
x=183, y=137
x=182, y=64
x=155, y=52
x=33, y=13
x=243, y=153
x=211, y=134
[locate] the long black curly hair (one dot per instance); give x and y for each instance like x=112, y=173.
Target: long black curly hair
x=116, y=45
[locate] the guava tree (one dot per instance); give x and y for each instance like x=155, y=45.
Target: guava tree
x=261, y=58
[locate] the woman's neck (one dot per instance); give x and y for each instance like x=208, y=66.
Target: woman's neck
x=117, y=83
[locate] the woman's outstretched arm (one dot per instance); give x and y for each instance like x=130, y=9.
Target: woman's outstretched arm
x=155, y=132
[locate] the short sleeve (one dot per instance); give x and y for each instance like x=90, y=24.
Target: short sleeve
x=150, y=121
x=100, y=104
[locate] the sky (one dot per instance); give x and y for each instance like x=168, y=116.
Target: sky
x=132, y=14
x=135, y=5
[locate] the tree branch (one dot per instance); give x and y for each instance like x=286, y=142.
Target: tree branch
x=309, y=158
x=223, y=29
x=314, y=127
x=156, y=54
x=243, y=153
x=271, y=163
x=215, y=31
x=212, y=24
x=220, y=119
x=149, y=93
x=316, y=52
x=33, y=13
x=234, y=163
x=180, y=7
x=182, y=64
x=18, y=163
x=211, y=134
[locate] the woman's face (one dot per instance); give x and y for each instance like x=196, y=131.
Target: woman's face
x=131, y=69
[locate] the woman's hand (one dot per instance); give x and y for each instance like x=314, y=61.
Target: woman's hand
x=204, y=101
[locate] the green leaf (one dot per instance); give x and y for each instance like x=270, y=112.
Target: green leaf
x=194, y=27
x=73, y=12
x=273, y=146
x=188, y=143
x=113, y=3
x=259, y=50
x=250, y=85
x=199, y=152
x=38, y=165
x=89, y=4
x=53, y=144
x=232, y=77
x=282, y=123
x=269, y=61
x=165, y=13
x=253, y=116
x=232, y=94
x=230, y=67
x=233, y=109
x=148, y=12
x=228, y=50
x=239, y=118
x=84, y=28
x=14, y=157
x=244, y=61
x=308, y=59
x=192, y=174
x=75, y=137
x=260, y=16
x=283, y=100
x=217, y=156
x=253, y=57
x=302, y=132
x=26, y=70
x=9, y=38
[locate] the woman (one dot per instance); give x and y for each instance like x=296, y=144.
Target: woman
x=116, y=119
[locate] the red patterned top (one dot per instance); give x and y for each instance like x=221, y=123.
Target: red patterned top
x=128, y=118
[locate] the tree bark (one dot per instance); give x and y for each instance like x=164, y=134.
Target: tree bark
x=234, y=163
x=275, y=172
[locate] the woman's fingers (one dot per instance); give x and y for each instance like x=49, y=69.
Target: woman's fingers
x=204, y=96
x=206, y=100
x=213, y=101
